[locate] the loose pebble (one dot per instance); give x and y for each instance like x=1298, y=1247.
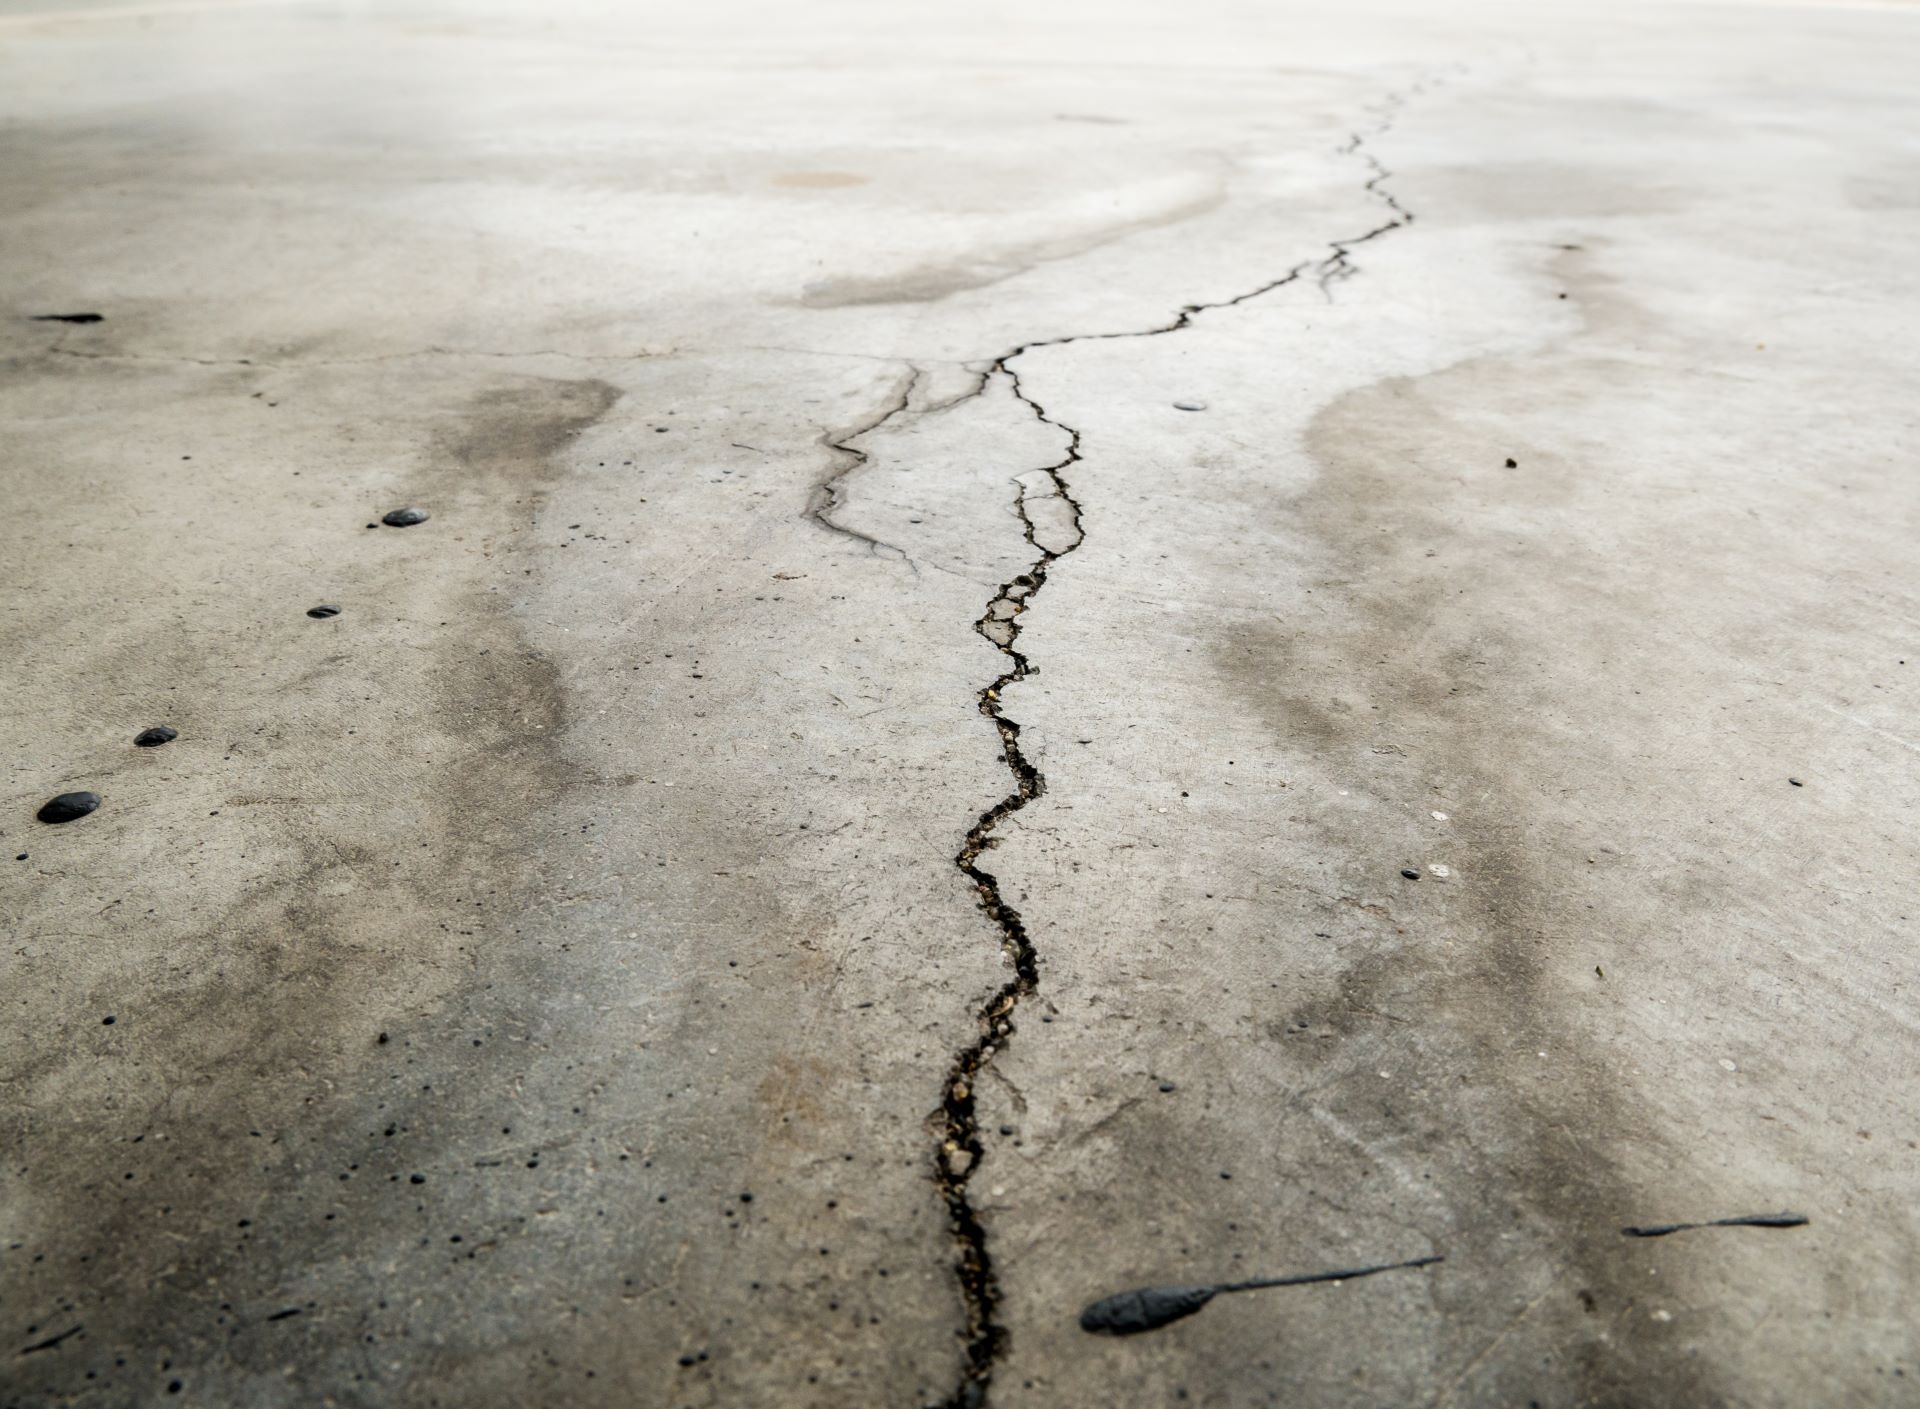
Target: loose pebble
x=1189, y=405
x=323, y=611
x=1410, y=874
x=68, y=807
x=156, y=736
x=1796, y=782
x=404, y=518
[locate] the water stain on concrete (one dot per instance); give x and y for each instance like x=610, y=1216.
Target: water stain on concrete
x=261, y=1031
x=929, y=283
x=1521, y=1149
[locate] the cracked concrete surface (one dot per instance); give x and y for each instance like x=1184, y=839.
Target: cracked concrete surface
x=549, y=979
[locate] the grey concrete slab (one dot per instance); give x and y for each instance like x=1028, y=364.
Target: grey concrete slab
x=1054, y=651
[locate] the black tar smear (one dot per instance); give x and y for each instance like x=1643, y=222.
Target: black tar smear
x=1149, y=1308
x=53, y=1341
x=1749, y=1220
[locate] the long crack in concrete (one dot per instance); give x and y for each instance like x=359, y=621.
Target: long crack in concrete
x=961, y=1150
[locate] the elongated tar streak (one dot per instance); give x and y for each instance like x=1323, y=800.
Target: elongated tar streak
x=1149, y=1308
x=1745, y=1220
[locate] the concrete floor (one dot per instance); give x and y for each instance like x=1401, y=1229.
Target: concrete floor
x=550, y=980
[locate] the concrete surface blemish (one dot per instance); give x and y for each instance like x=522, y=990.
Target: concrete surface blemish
x=537, y=545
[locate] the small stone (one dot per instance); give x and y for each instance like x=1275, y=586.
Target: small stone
x=404, y=518
x=68, y=807
x=156, y=736
x=1189, y=405
x=1512, y=463
x=1410, y=874
x=1796, y=782
x=324, y=610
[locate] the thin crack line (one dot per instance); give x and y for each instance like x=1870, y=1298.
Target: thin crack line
x=961, y=1149
x=825, y=499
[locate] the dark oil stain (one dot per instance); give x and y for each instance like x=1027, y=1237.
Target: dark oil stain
x=68, y=807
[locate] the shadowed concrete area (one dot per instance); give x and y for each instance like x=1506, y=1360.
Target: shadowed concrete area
x=1057, y=649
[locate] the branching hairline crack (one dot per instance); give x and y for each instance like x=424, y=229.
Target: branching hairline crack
x=825, y=498
x=824, y=503
x=957, y=1123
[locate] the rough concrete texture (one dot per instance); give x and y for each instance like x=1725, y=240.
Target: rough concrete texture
x=649, y=948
